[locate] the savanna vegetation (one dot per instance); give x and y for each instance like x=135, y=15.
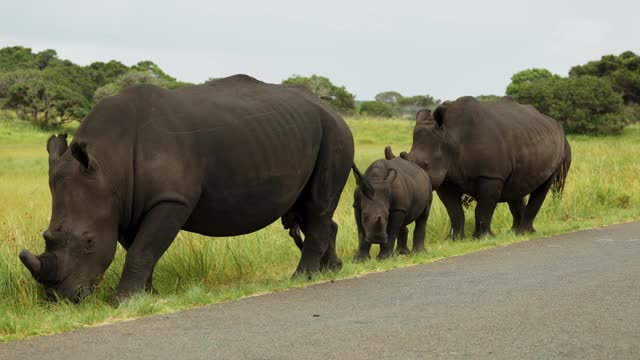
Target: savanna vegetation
x=602, y=188
x=42, y=94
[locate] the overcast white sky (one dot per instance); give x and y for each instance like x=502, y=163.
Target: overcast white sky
x=445, y=48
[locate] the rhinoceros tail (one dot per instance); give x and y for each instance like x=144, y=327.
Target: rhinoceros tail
x=561, y=175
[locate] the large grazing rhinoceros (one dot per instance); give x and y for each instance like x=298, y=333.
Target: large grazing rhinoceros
x=221, y=159
x=496, y=151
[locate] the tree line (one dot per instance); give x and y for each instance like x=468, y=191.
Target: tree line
x=48, y=91
x=599, y=97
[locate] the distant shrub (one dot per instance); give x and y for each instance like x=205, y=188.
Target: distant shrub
x=582, y=104
x=376, y=108
x=336, y=96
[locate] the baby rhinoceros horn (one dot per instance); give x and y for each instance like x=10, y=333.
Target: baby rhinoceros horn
x=31, y=262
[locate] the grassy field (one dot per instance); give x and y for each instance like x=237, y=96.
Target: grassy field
x=603, y=188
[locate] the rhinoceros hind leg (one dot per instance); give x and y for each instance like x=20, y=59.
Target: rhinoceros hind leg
x=533, y=206
x=420, y=231
x=487, y=195
x=517, y=211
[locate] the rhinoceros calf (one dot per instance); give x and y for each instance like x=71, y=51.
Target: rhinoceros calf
x=497, y=151
x=221, y=159
x=390, y=195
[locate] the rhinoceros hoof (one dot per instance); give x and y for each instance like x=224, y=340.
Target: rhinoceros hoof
x=525, y=230
x=403, y=251
x=360, y=258
x=333, y=264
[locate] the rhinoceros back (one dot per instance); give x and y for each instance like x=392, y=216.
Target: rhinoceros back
x=505, y=140
x=239, y=151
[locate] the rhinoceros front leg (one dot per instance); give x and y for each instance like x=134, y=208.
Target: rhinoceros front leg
x=157, y=231
x=364, y=247
x=394, y=227
x=402, y=248
x=451, y=198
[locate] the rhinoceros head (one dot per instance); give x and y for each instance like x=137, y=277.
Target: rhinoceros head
x=375, y=201
x=432, y=147
x=81, y=239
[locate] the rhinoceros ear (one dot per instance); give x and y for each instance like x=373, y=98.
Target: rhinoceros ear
x=438, y=114
x=391, y=175
x=79, y=151
x=423, y=115
x=56, y=146
x=363, y=183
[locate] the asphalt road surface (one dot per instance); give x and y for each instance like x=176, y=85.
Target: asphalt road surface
x=574, y=296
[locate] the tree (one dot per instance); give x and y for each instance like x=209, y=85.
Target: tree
x=103, y=73
x=336, y=96
x=419, y=100
x=45, y=103
x=132, y=78
x=376, y=108
x=623, y=71
x=526, y=77
x=44, y=58
x=16, y=57
x=392, y=98
x=584, y=104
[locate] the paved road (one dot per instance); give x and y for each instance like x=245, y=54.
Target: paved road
x=574, y=296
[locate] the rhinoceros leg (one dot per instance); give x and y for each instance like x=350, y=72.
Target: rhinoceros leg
x=364, y=247
x=319, y=246
x=420, y=231
x=402, y=248
x=533, y=206
x=451, y=197
x=320, y=197
x=517, y=211
x=126, y=241
x=487, y=195
x=395, y=225
x=156, y=232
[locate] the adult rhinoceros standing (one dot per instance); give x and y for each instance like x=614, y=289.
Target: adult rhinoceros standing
x=221, y=159
x=497, y=151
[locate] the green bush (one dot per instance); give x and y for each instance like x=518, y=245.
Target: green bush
x=623, y=70
x=336, y=96
x=583, y=105
x=376, y=108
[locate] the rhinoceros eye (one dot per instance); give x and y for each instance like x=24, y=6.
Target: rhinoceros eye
x=89, y=243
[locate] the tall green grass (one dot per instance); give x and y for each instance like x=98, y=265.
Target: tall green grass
x=603, y=187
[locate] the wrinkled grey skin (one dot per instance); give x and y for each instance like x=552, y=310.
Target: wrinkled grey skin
x=221, y=159
x=497, y=151
x=391, y=195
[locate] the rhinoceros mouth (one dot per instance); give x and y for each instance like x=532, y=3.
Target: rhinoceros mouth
x=74, y=294
x=376, y=239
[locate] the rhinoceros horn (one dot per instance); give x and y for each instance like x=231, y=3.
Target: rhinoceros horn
x=31, y=262
x=388, y=153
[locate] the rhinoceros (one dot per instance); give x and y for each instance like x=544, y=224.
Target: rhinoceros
x=497, y=151
x=391, y=195
x=221, y=159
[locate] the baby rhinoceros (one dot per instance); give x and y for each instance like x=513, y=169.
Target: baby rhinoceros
x=390, y=195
